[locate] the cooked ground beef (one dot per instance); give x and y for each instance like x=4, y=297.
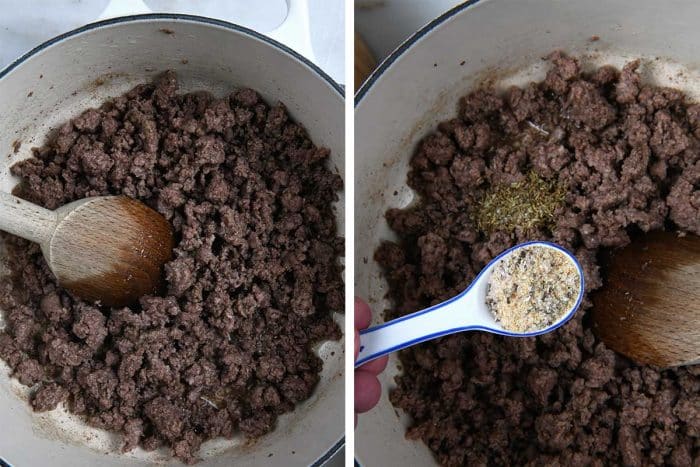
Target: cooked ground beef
x=629, y=156
x=252, y=285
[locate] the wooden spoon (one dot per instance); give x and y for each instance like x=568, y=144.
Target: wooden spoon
x=109, y=249
x=649, y=307
x=364, y=61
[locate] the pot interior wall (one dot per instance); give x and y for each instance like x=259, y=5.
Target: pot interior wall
x=81, y=71
x=487, y=40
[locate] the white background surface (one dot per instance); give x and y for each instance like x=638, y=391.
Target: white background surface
x=25, y=24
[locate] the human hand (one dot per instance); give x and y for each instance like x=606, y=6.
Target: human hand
x=367, y=387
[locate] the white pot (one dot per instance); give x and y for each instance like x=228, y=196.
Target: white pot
x=419, y=85
x=57, y=80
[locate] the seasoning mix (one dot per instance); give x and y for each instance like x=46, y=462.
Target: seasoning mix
x=532, y=288
x=525, y=204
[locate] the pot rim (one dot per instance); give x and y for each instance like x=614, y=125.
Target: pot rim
x=405, y=46
x=177, y=17
x=332, y=450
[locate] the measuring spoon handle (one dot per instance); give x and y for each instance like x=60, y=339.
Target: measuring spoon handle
x=439, y=320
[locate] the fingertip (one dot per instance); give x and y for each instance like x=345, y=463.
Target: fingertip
x=363, y=314
x=367, y=391
x=375, y=366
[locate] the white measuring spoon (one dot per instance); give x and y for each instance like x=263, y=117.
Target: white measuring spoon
x=465, y=312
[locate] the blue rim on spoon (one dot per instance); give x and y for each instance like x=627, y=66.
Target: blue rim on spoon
x=196, y=19
x=499, y=330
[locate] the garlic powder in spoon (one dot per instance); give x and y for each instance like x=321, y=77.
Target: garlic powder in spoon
x=532, y=288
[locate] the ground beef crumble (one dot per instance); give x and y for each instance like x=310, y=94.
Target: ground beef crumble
x=252, y=285
x=629, y=156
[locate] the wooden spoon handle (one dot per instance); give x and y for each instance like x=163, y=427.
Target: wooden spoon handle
x=25, y=219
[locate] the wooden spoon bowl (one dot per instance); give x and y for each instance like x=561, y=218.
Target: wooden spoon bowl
x=110, y=249
x=107, y=249
x=649, y=307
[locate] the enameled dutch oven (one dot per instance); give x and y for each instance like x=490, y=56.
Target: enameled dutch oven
x=419, y=85
x=80, y=69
